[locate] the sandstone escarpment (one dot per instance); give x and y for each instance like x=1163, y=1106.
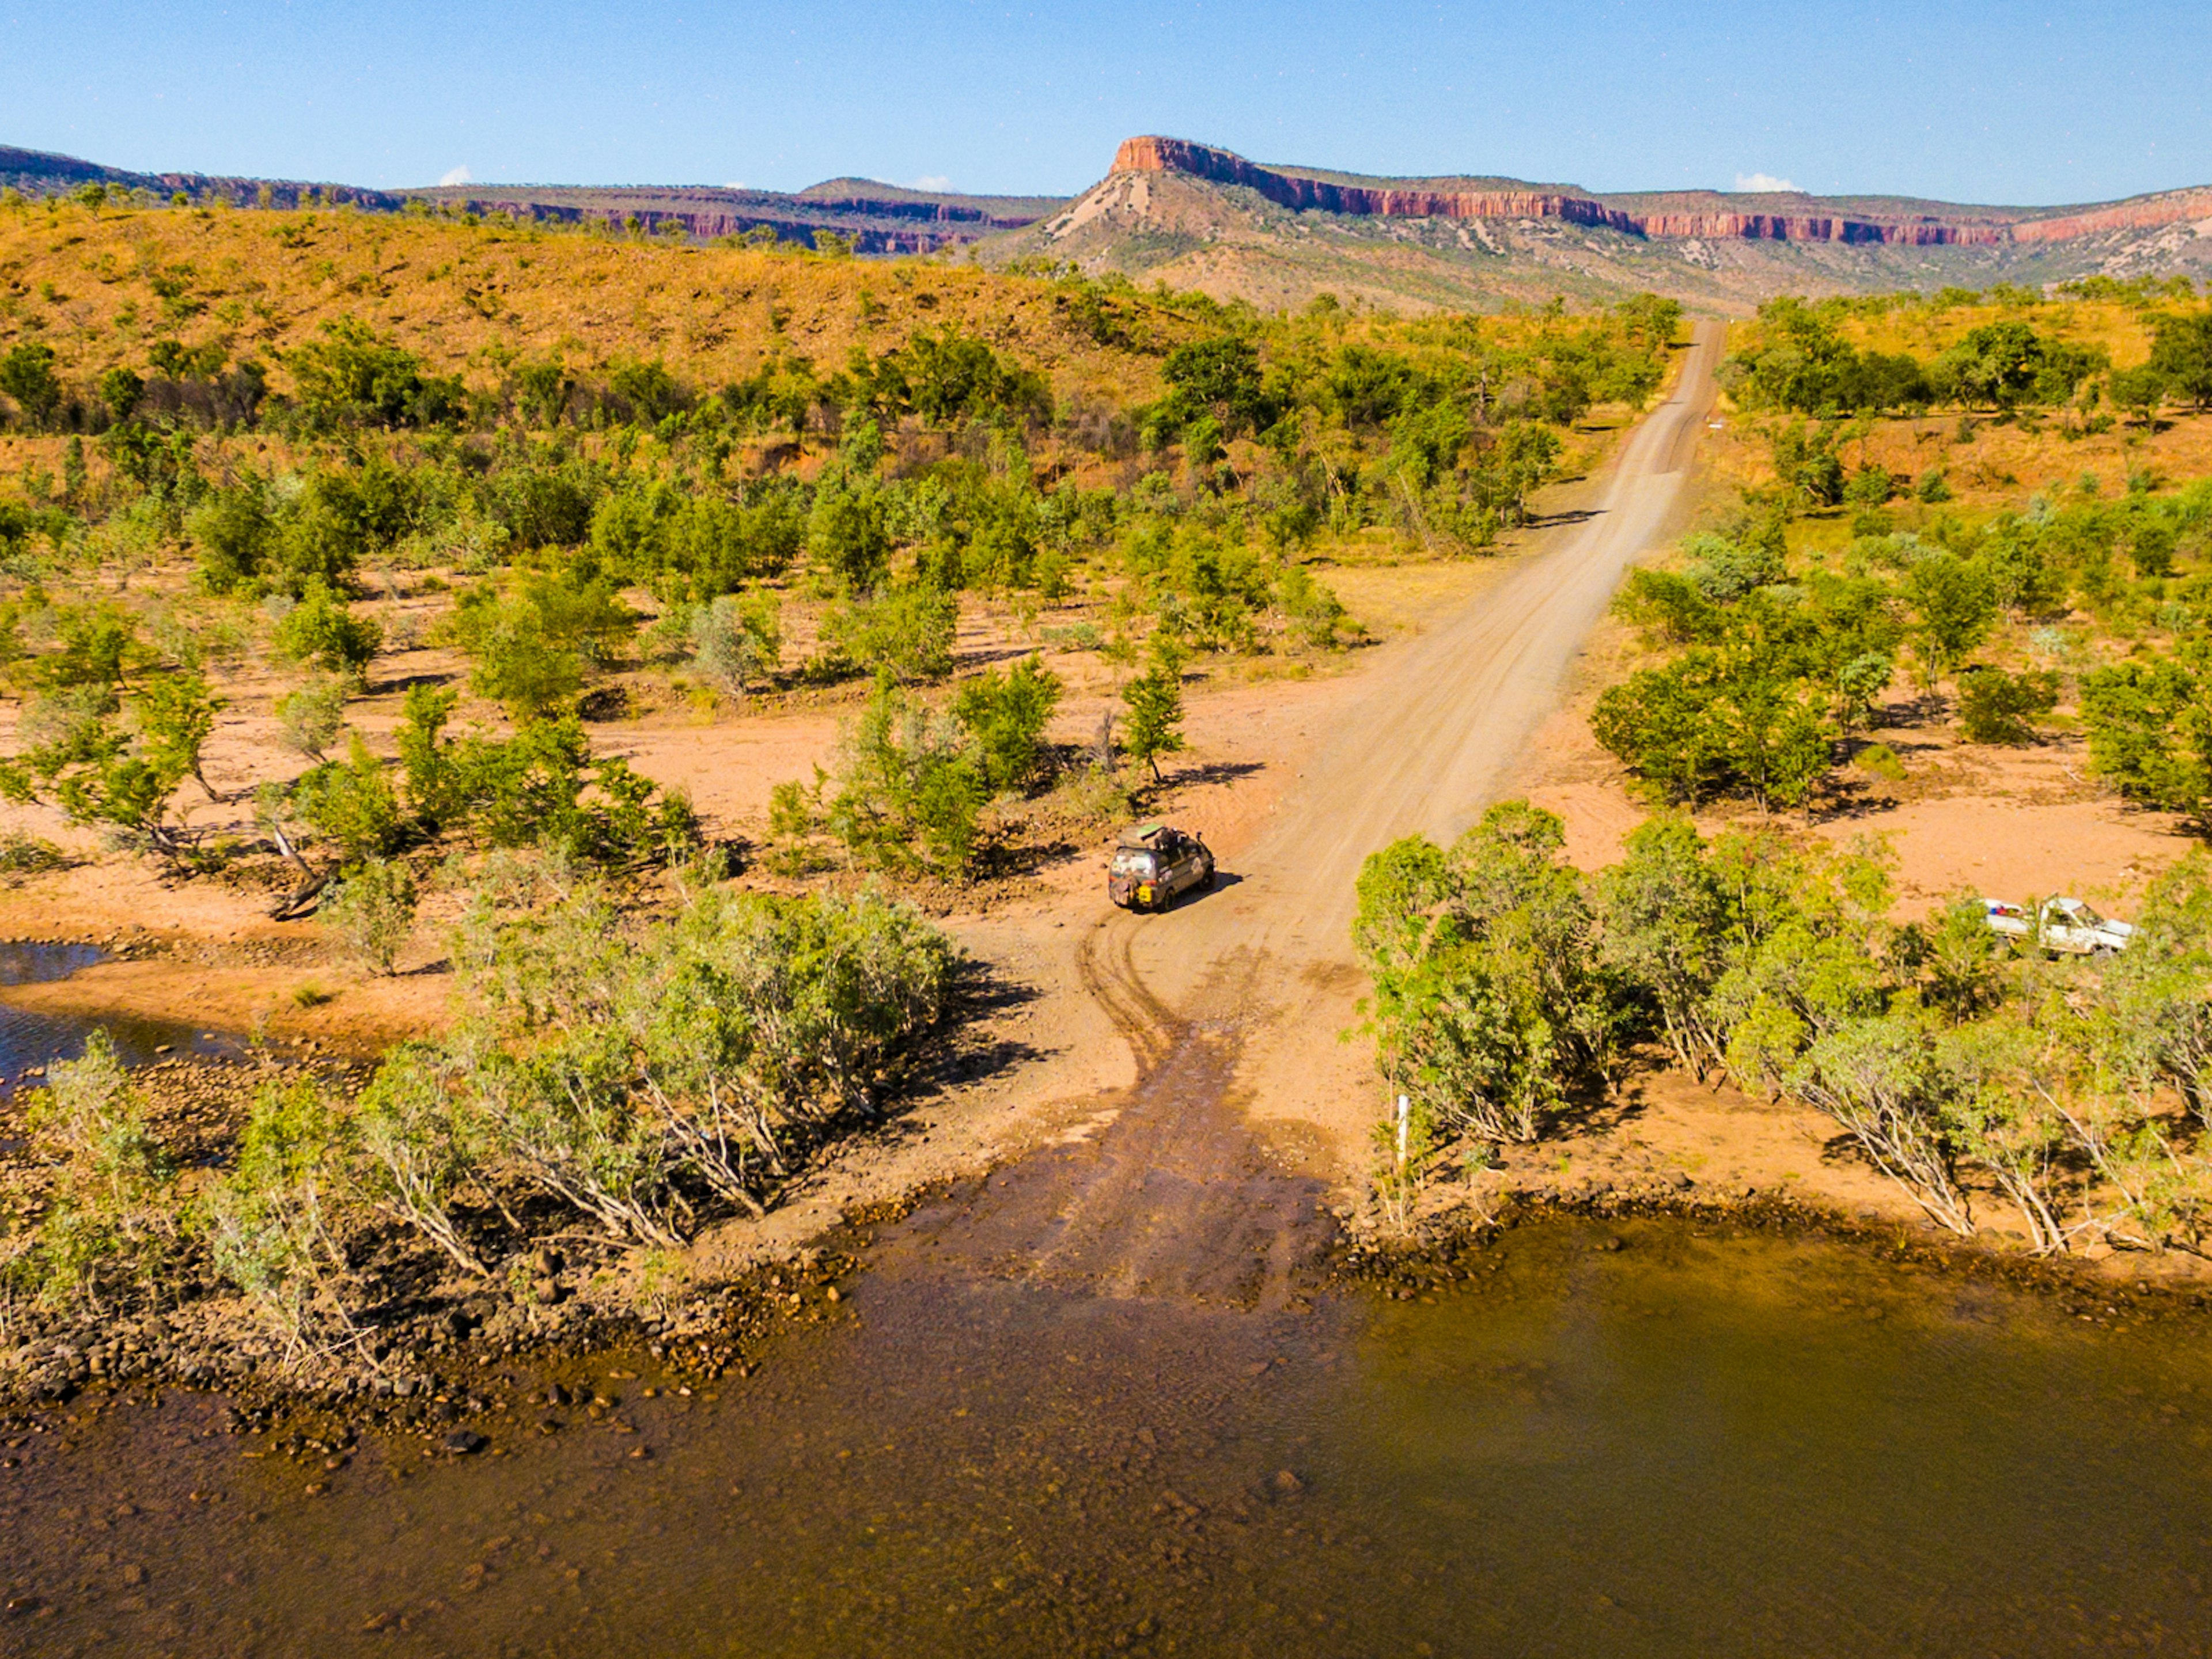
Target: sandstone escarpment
x=1707, y=216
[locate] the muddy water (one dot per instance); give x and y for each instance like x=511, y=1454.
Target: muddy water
x=1695, y=1444
x=31, y=1039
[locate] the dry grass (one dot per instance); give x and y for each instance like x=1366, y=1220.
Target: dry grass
x=1999, y=464
x=475, y=298
x=1924, y=328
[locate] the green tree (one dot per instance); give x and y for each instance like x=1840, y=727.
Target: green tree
x=2181, y=352
x=1665, y=930
x=120, y=390
x=1219, y=377
x=352, y=375
x=27, y=374
x=2149, y=732
x=1955, y=604
x=124, y=780
x=1006, y=714
x=518, y=666
x=908, y=786
x=2140, y=392
x=350, y=803
x=848, y=533
x=174, y=714
x=1154, y=699
x=234, y=534
x=1487, y=1006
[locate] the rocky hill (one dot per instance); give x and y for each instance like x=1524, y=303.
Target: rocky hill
x=1198, y=216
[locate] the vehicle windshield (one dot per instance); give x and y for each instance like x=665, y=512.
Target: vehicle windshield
x=1130, y=862
x=2084, y=916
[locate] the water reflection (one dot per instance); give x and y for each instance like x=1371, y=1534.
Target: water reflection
x=32, y=1039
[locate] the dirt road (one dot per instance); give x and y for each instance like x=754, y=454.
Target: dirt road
x=1237, y=999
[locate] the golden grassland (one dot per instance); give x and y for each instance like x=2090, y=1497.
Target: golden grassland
x=1989, y=463
x=99, y=289
x=1926, y=327
x=99, y=286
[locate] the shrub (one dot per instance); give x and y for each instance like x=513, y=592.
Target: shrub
x=1487, y=1006
x=321, y=630
x=92, y=1113
x=904, y=631
x=269, y=1224
x=110, y=1210
x=23, y=854
x=682, y=1052
x=520, y=667
x=350, y=803
x=1313, y=612
x=1997, y=707
x=908, y=786
x=737, y=641
x=371, y=911
x=1006, y=714
x=311, y=715
x=1724, y=569
x=1879, y=760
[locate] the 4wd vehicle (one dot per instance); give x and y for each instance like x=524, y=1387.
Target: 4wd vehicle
x=2065, y=925
x=1153, y=864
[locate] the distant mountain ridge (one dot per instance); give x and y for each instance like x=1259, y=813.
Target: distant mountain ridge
x=1196, y=216
x=879, y=218
x=1201, y=216
x=1791, y=217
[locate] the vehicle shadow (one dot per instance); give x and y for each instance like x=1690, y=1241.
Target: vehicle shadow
x=1222, y=879
x=1216, y=772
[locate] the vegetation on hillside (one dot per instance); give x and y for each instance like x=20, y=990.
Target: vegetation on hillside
x=306, y=404
x=2127, y=349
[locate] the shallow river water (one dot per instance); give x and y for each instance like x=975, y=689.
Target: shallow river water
x=1704, y=1442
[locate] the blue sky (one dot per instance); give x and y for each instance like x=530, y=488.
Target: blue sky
x=2036, y=101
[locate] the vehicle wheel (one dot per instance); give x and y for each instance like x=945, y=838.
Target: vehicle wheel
x=1209, y=878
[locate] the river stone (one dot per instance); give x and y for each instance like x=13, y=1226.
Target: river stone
x=465, y=1443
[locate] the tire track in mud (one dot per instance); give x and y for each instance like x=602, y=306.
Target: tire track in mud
x=1237, y=994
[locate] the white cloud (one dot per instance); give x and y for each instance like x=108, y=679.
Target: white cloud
x=1761, y=184
x=936, y=181
x=463, y=176
x=735, y=184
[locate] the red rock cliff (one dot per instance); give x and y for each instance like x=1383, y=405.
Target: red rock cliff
x=1987, y=227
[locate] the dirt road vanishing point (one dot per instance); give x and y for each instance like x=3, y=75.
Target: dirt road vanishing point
x=1234, y=1002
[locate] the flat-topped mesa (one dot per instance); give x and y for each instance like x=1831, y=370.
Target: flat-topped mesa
x=1419, y=199
x=1290, y=190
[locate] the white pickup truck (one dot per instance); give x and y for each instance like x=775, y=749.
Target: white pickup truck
x=2065, y=925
